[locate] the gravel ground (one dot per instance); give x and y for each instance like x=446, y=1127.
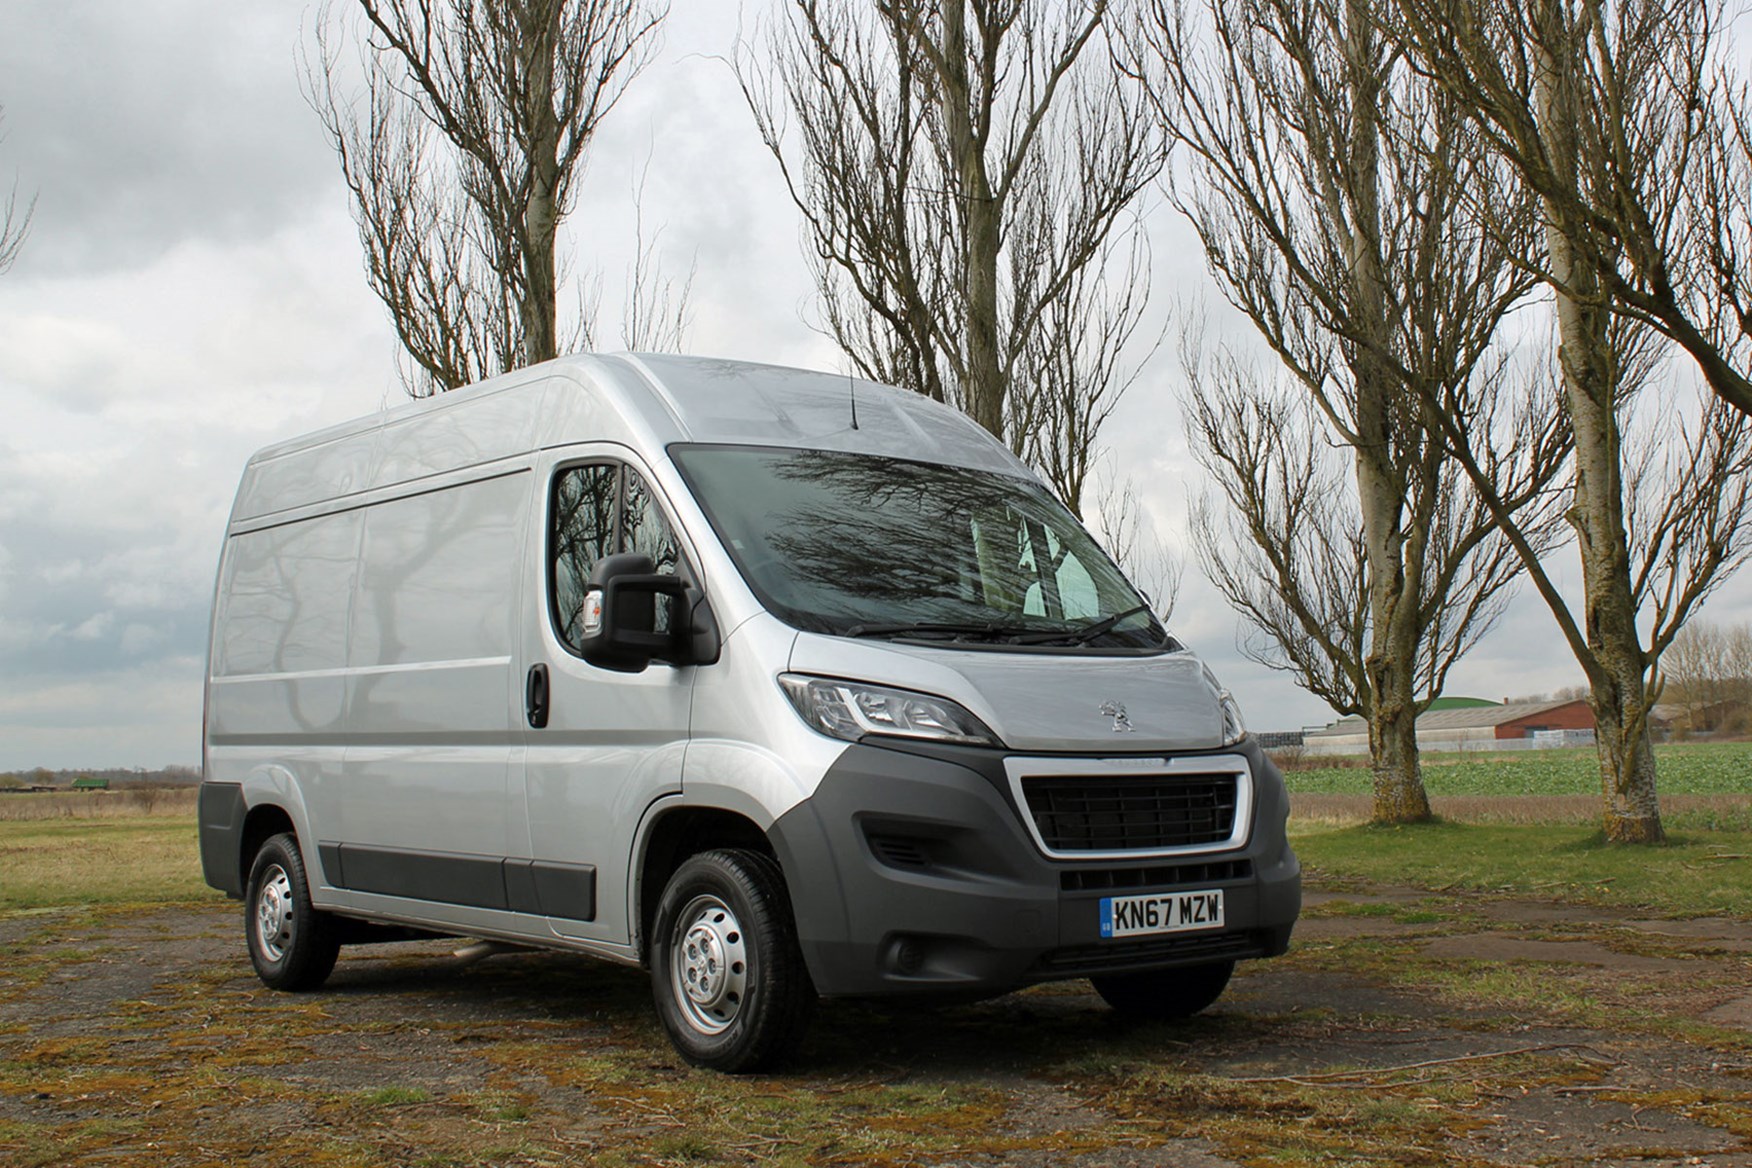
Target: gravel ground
x=1402, y=1029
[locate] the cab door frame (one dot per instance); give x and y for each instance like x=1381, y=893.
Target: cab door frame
x=612, y=744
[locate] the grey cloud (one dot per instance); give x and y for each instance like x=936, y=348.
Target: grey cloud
x=74, y=605
x=119, y=718
x=142, y=125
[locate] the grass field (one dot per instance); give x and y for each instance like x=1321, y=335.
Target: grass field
x=155, y=860
x=128, y=803
x=1693, y=874
x=1685, y=769
x=1517, y=822
x=149, y=859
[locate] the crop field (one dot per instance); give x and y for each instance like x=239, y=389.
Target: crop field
x=1466, y=994
x=1685, y=769
x=119, y=804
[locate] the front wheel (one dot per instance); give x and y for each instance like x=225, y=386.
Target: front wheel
x=1165, y=994
x=729, y=979
x=292, y=945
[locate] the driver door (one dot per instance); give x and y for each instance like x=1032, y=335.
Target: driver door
x=613, y=742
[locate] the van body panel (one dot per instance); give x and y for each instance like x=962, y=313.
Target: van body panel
x=488, y=429
x=736, y=402
x=320, y=469
x=746, y=736
x=385, y=594
x=606, y=400
x=476, y=425
x=279, y=646
x=432, y=747
x=286, y=780
x=491, y=924
x=614, y=743
x=1168, y=703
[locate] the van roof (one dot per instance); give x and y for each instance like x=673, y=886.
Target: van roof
x=646, y=401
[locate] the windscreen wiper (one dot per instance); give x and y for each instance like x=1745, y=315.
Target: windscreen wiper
x=989, y=630
x=1084, y=634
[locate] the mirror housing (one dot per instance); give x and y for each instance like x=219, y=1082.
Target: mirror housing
x=619, y=629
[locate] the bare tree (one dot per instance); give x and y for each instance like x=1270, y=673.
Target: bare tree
x=654, y=311
x=1708, y=673
x=462, y=155
x=1663, y=136
x=1587, y=100
x=1128, y=532
x=1334, y=192
x=967, y=172
x=14, y=222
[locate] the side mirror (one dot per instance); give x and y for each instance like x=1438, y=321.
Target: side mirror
x=633, y=615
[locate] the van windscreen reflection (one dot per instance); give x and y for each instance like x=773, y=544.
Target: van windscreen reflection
x=861, y=545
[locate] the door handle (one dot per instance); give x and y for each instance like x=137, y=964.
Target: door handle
x=535, y=697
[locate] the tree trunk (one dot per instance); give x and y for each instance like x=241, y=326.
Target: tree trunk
x=539, y=28
x=1393, y=761
x=1390, y=664
x=1631, y=812
x=983, y=381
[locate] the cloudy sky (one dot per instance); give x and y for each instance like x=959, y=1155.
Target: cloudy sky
x=191, y=290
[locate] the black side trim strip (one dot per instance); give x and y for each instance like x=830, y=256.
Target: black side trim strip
x=539, y=887
x=520, y=892
x=329, y=856
x=565, y=890
x=470, y=880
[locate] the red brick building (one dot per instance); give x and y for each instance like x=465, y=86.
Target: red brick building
x=1570, y=715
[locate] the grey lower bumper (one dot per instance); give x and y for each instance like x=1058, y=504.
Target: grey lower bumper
x=220, y=812
x=911, y=872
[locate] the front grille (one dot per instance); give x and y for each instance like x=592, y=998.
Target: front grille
x=1131, y=813
x=1159, y=876
x=1157, y=952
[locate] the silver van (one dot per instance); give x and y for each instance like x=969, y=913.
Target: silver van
x=776, y=683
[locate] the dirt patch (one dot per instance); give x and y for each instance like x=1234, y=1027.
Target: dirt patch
x=1704, y=934
x=1511, y=1032
x=1496, y=947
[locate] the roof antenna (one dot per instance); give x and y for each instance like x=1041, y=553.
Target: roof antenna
x=852, y=385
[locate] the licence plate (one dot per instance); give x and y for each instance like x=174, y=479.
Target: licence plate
x=1168, y=912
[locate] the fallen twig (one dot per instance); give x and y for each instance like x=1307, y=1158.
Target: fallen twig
x=1328, y=1078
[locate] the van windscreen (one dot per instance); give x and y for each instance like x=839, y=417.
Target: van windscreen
x=862, y=545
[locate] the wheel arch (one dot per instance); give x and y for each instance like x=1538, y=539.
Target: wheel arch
x=675, y=831
x=260, y=824
x=274, y=801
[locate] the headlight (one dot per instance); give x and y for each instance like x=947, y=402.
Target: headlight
x=1234, y=729
x=852, y=709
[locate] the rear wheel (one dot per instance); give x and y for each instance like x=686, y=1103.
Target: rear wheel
x=1165, y=994
x=292, y=945
x=729, y=979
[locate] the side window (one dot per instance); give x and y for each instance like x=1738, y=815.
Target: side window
x=643, y=527
x=583, y=532
x=597, y=510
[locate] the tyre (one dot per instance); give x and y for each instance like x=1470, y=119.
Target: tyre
x=292, y=945
x=1165, y=994
x=729, y=979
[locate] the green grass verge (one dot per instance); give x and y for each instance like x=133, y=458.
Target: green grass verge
x=1684, y=769
x=156, y=860
x=1689, y=876
x=149, y=860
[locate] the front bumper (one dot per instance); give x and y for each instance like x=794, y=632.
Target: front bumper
x=911, y=871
